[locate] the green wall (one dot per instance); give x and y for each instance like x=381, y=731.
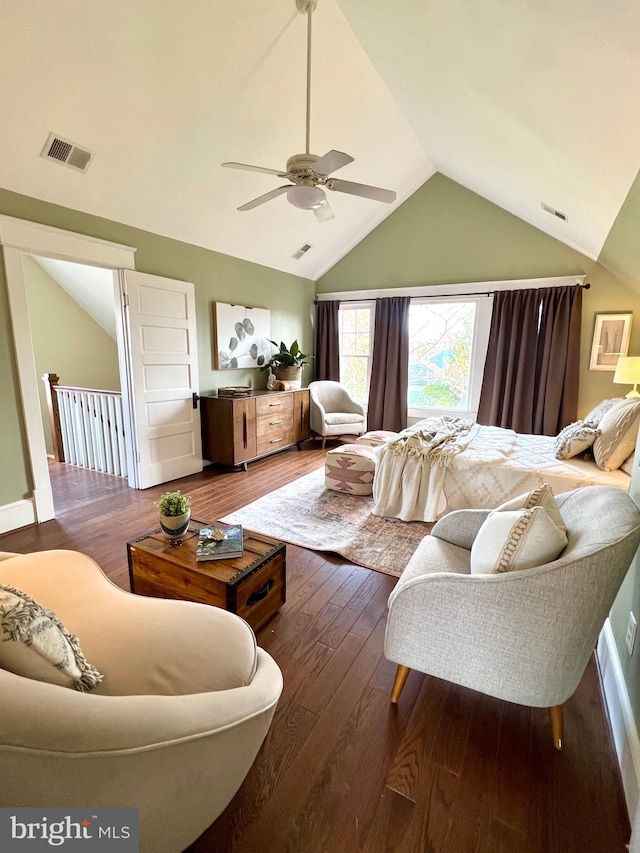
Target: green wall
x=217, y=278
x=446, y=234
x=66, y=340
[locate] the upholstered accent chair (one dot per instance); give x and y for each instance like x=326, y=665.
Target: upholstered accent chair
x=172, y=730
x=334, y=412
x=523, y=636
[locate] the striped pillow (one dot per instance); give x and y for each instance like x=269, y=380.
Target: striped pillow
x=595, y=415
x=618, y=433
x=516, y=539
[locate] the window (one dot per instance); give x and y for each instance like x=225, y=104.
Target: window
x=447, y=347
x=356, y=342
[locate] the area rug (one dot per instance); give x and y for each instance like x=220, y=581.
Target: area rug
x=305, y=513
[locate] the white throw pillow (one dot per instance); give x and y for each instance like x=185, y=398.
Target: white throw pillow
x=627, y=465
x=618, y=433
x=540, y=496
x=574, y=439
x=518, y=539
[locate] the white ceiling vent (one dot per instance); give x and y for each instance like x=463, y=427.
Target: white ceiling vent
x=554, y=212
x=67, y=152
x=301, y=251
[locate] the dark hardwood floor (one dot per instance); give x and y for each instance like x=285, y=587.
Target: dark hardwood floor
x=342, y=769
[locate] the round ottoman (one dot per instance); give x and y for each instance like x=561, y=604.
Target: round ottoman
x=376, y=437
x=350, y=468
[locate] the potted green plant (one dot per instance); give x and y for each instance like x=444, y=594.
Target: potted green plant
x=174, y=513
x=287, y=363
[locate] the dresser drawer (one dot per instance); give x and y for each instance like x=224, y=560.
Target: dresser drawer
x=278, y=406
x=274, y=436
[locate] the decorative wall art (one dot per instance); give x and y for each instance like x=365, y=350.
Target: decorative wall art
x=610, y=340
x=241, y=336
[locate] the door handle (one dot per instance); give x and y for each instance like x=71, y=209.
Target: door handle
x=194, y=399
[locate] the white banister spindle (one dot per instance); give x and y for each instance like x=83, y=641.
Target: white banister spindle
x=92, y=428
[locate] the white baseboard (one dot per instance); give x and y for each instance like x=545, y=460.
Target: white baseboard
x=625, y=732
x=17, y=514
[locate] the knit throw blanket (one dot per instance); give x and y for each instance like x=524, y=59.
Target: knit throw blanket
x=436, y=439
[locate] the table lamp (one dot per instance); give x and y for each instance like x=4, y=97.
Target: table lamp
x=628, y=373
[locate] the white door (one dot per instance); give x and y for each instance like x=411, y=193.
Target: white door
x=162, y=377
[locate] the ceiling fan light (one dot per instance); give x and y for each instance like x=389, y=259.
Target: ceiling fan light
x=306, y=197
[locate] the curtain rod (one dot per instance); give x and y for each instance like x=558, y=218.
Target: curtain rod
x=586, y=286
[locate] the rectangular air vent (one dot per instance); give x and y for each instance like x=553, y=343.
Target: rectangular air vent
x=67, y=152
x=301, y=251
x=554, y=212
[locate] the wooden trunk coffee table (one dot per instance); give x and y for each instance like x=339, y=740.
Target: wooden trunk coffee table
x=253, y=585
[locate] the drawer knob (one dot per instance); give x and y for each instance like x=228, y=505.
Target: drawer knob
x=258, y=594
x=275, y=440
x=273, y=423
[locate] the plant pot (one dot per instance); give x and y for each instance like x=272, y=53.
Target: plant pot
x=174, y=526
x=292, y=375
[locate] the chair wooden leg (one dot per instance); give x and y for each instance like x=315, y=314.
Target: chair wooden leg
x=401, y=676
x=555, y=712
x=324, y=441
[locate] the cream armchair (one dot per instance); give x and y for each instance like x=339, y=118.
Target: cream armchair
x=186, y=701
x=524, y=636
x=334, y=412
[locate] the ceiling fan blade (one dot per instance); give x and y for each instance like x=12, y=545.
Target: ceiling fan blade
x=331, y=162
x=324, y=213
x=264, y=171
x=364, y=190
x=266, y=197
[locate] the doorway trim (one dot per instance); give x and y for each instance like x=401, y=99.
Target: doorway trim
x=17, y=238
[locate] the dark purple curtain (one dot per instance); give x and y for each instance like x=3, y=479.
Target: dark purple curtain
x=389, y=365
x=327, y=361
x=531, y=374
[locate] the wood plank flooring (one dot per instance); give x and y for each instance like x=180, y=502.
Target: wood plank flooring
x=343, y=770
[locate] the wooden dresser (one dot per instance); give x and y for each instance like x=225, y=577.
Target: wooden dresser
x=237, y=430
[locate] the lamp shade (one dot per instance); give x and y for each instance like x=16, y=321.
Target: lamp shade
x=628, y=373
x=306, y=197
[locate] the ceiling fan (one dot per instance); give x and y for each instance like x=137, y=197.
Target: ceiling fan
x=307, y=172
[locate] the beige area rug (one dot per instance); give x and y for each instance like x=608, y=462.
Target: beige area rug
x=305, y=513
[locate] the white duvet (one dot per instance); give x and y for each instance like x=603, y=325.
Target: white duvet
x=497, y=464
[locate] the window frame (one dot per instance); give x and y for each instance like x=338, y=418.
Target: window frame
x=351, y=305
x=479, y=345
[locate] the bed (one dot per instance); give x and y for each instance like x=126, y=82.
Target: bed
x=490, y=465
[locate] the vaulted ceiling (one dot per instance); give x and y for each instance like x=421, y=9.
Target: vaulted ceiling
x=524, y=103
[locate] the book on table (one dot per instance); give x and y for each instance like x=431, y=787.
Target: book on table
x=219, y=541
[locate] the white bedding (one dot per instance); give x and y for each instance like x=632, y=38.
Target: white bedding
x=496, y=465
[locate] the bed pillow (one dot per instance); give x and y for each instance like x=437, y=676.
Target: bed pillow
x=540, y=496
x=618, y=433
x=512, y=540
x=627, y=465
x=574, y=439
x=35, y=644
x=595, y=415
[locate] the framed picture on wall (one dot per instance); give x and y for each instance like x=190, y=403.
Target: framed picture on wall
x=240, y=336
x=611, y=335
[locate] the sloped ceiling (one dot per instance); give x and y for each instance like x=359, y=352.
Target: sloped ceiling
x=523, y=103
x=90, y=287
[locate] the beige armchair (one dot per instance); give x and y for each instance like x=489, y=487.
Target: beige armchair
x=334, y=412
x=186, y=701
x=523, y=636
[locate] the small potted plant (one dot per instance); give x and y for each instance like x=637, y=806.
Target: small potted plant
x=174, y=512
x=287, y=363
